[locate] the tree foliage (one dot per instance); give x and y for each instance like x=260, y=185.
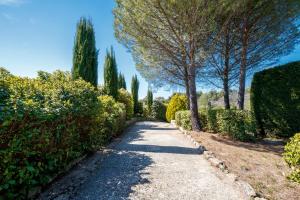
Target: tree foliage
x=121, y=81
x=135, y=93
x=149, y=99
x=178, y=102
x=111, y=74
x=85, y=54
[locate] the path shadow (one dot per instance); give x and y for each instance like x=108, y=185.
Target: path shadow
x=162, y=149
x=276, y=148
x=116, y=176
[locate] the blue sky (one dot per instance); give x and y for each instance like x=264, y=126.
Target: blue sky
x=39, y=35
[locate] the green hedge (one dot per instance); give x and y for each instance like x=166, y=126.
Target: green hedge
x=238, y=124
x=46, y=123
x=275, y=100
x=292, y=157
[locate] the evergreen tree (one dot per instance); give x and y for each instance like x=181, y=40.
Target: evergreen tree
x=111, y=74
x=135, y=93
x=149, y=99
x=85, y=54
x=121, y=81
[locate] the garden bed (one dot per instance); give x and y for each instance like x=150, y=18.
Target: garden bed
x=260, y=164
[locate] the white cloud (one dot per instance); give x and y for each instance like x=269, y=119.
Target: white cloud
x=11, y=2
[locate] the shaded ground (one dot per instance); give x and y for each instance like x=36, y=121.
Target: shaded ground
x=259, y=164
x=152, y=161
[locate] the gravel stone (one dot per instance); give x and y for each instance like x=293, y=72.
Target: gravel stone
x=155, y=161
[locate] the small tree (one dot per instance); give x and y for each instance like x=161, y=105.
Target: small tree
x=135, y=93
x=121, y=81
x=149, y=99
x=111, y=74
x=85, y=54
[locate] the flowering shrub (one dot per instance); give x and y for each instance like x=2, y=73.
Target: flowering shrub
x=46, y=123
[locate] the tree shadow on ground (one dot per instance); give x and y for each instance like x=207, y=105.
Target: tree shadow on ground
x=275, y=147
x=116, y=176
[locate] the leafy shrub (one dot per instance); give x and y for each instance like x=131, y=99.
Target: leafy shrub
x=183, y=119
x=158, y=111
x=212, y=123
x=45, y=124
x=275, y=97
x=292, y=157
x=238, y=124
x=113, y=114
x=178, y=102
x=125, y=97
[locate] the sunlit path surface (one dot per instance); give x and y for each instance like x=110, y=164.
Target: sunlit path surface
x=154, y=161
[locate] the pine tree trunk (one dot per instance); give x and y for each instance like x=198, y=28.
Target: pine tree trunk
x=193, y=98
x=187, y=89
x=226, y=74
x=242, y=77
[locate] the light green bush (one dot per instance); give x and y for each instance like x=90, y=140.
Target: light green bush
x=292, y=157
x=46, y=123
x=125, y=97
x=178, y=102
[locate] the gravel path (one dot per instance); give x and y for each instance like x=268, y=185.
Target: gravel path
x=155, y=161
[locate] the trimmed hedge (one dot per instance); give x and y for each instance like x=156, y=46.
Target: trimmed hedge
x=292, y=157
x=275, y=100
x=178, y=102
x=238, y=124
x=46, y=123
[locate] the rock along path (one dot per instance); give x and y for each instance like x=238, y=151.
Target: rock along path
x=155, y=161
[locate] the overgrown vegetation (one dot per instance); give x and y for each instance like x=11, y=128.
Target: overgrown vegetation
x=275, y=99
x=46, y=123
x=158, y=111
x=292, y=157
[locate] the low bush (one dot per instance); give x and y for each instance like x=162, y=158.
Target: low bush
x=125, y=97
x=158, y=111
x=46, y=123
x=178, y=102
x=292, y=157
x=237, y=124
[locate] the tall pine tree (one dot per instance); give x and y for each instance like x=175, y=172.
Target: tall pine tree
x=85, y=54
x=135, y=93
x=111, y=74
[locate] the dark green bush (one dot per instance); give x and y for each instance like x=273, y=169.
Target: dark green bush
x=275, y=100
x=292, y=157
x=158, y=111
x=46, y=123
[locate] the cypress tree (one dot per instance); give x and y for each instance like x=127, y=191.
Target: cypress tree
x=111, y=74
x=135, y=93
x=85, y=54
x=149, y=99
x=121, y=81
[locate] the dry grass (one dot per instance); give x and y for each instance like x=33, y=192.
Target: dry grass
x=260, y=164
